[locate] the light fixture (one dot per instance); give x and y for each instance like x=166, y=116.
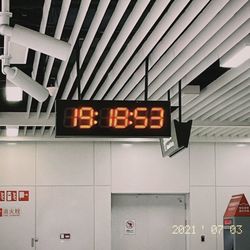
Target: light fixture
x=126, y=145
x=12, y=131
x=11, y=143
x=36, y=41
x=239, y=54
x=26, y=38
x=241, y=145
x=26, y=83
x=13, y=93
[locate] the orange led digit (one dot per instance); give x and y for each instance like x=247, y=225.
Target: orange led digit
x=86, y=117
x=156, y=118
x=140, y=116
x=111, y=117
x=70, y=117
x=120, y=118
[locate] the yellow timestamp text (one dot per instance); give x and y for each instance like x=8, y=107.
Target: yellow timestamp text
x=214, y=229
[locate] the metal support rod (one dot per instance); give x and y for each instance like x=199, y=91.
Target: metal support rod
x=4, y=20
x=169, y=95
x=180, y=104
x=78, y=69
x=5, y=5
x=146, y=78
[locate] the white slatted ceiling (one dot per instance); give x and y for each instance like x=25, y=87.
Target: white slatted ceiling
x=206, y=38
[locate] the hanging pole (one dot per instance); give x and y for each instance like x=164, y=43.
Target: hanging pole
x=146, y=78
x=5, y=16
x=180, y=104
x=78, y=69
x=169, y=95
x=169, y=100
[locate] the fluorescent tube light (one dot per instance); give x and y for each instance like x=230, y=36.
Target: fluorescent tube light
x=237, y=55
x=12, y=131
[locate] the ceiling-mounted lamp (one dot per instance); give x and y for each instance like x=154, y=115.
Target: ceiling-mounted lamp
x=13, y=93
x=30, y=39
x=35, y=40
x=239, y=54
x=26, y=83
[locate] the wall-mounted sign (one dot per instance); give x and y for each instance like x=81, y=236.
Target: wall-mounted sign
x=65, y=236
x=11, y=195
x=22, y=195
x=10, y=212
x=130, y=227
x=2, y=195
x=112, y=118
x=14, y=212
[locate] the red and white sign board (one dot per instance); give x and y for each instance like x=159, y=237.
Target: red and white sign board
x=11, y=195
x=238, y=206
x=2, y=195
x=23, y=195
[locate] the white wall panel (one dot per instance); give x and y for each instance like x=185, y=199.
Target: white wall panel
x=17, y=163
x=202, y=214
x=16, y=232
x=232, y=164
x=202, y=164
x=136, y=168
x=102, y=163
x=64, y=163
x=102, y=218
x=224, y=195
x=65, y=210
x=140, y=168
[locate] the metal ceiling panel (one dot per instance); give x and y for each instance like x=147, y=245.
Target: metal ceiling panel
x=182, y=39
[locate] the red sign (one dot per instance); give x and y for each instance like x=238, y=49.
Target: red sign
x=1, y=212
x=23, y=195
x=2, y=195
x=238, y=206
x=11, y=195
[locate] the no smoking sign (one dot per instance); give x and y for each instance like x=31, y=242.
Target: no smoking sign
x=130, y=227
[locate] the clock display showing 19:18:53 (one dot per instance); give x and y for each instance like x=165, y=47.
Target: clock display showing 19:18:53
x=112, y=118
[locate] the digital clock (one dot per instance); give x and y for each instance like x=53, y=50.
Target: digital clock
x=112, y=118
